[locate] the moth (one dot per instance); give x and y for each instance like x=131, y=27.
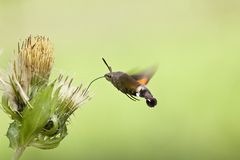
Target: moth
x=134, y=85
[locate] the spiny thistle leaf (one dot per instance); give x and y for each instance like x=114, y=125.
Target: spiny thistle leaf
x=35, y=118
x=13, y=134
x=8, y=109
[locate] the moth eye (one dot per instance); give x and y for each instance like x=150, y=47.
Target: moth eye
x=52, y=126
x=109, y=76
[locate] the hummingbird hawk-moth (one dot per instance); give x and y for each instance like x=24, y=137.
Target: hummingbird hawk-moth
x=131, y=85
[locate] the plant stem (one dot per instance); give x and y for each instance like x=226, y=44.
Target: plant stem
x=18, y=153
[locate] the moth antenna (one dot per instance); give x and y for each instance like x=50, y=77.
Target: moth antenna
x=109, y=67
x=85, y=91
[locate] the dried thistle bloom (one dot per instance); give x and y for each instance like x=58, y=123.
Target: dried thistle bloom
x=40, y=109
x=33, y=64
x=34, y=61
x=29, y=71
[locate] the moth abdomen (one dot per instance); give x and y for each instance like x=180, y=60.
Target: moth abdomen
x=151, y=102
x=142, y=91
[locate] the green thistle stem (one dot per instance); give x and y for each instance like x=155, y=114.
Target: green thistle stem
x=18, y=153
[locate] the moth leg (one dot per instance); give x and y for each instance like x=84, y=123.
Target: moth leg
x=130, y=97
x=134, y=97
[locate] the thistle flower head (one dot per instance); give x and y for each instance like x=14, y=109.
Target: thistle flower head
x=70, y=97
x=30, y=69
x=65, y=99
x=39, y=108
x=33, y=63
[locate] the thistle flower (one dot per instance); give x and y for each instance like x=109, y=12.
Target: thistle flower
x=40, y=109
x=30, y=69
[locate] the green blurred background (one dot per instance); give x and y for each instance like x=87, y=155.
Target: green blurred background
x=197, y=47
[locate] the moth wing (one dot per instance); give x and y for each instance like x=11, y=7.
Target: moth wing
x=128, y=82
x=144, y=76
